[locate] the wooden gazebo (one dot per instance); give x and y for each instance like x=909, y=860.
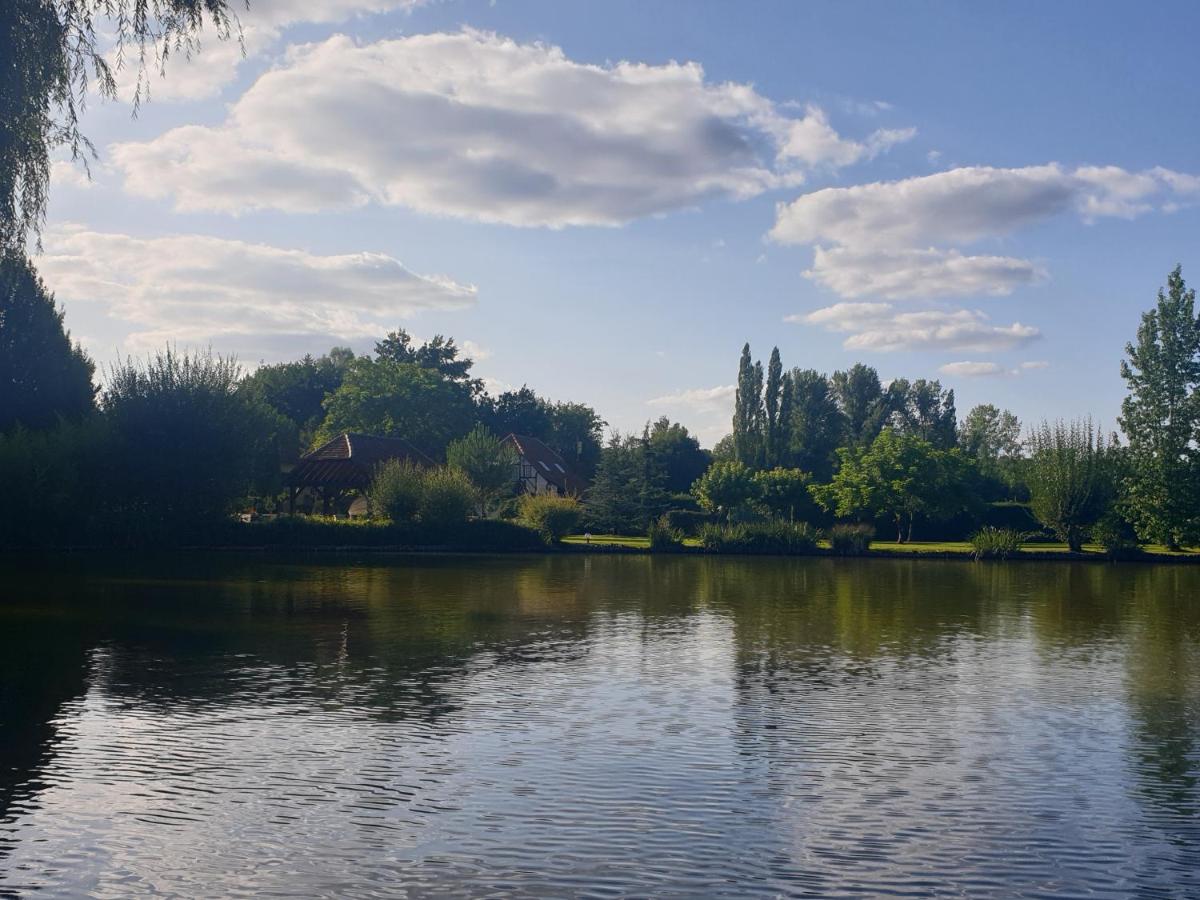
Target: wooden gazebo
x=347, y=463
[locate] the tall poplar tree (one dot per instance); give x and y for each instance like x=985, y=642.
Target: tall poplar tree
x=771, y=398
x=748, y=410
x=1161, y=418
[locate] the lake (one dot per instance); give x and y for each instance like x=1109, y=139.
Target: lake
x=599, y=726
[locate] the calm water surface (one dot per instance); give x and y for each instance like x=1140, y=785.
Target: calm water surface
x=604, y=726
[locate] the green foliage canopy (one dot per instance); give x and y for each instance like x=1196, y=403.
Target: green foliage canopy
x=43, y=376
x=1161, y=418
x=487, y=462
x=899, y=476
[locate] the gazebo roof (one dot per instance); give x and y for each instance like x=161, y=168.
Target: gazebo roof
x=350, y=460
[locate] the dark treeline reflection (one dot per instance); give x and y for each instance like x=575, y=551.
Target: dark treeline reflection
x=940, y=691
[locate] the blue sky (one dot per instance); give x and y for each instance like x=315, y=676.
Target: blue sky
x=607, y=200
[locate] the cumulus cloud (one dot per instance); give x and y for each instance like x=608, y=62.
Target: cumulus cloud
x=205, y=73
x=879, y=326
x=813, y=141
x=699, y=399
x=191, y=288
x=961, y=206
x=904, y=274
x=898, y=239
x=478, y=126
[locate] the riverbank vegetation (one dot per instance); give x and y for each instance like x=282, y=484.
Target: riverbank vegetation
x=186, y=448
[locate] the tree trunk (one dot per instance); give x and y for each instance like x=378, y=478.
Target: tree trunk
x=899, y=529
x=910, y=526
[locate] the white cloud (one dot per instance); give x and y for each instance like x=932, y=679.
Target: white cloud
x=191, y=288
x=66, y=173
x=474, y=351
x=973, y=369
x=812, y=140
x=204, y=73
x=481, y=127
x=961, y=206
x=893, y=239
x=878, y=326
x=903, y=274
x=698, y=399
x=989, y=369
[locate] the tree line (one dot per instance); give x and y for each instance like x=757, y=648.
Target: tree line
x=179, y=440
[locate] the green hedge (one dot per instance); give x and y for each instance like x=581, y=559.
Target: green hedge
x=305, y=532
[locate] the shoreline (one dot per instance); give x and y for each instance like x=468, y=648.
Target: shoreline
x=8, y=556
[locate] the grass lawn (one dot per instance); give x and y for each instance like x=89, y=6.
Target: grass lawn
x=962, y=547
x=609, y=540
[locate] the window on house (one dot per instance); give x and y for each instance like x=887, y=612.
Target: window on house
x=542, y=462
x=560, y=468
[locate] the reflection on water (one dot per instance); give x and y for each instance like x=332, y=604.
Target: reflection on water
x=548, y=726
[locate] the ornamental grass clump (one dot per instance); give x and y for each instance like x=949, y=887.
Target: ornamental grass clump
x=851, y=539
x=996, y=543
x=551, y=516
x=664, y=538
x=782, y=538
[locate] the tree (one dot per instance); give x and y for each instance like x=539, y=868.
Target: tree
x=439, y=355
x=859, y=396
x=628, y=491
x=519, y=412
x=1161, y=418
x=899, y=476
x=573, y=430
x=489, y=464
x=297, y=390
x=923, y=409
x=678, y=453
x=989, y=434
x=399, y=400
x=992, y=438
x=725, y=487
x=724, y=449
x=192, y=444
x=784, y=493
x=575, y=433
x=748, y=411
x=773, y=432
x=43, y=376
x=817, y=425
x=51, y=60
x=1069, y=483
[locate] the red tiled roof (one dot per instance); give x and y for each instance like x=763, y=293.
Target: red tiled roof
x=350, y=460
x=547, y=463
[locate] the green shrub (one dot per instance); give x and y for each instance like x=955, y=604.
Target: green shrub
x=996, y=543
x=784, y=538
x=687, y=521
x=851, y=539
x=447, y=497
x=1116, y=536
x=396, y=491
x=663, y=537
x=551, y=516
